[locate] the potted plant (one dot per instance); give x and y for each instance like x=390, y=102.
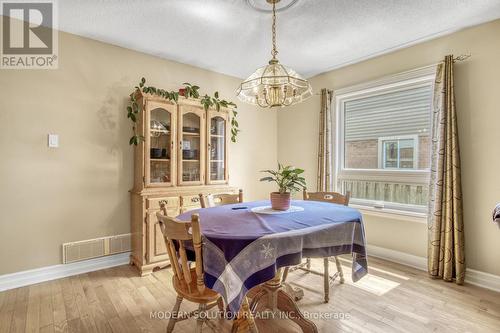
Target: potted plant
x=289, y=179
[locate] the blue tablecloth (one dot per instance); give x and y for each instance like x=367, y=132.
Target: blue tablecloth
x=242, y=249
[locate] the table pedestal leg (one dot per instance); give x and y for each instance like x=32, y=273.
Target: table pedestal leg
x=274, y=295
x=296, y=293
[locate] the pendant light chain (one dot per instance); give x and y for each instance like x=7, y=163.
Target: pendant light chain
x=274, y=52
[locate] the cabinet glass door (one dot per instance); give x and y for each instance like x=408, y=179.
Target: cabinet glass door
x=191, y=146
x=159, y=139
x=217, y=148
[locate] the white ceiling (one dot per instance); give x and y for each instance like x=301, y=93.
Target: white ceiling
x=230, y=37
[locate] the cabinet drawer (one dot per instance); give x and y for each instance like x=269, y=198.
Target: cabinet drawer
x=170, y=202
x=190, y=201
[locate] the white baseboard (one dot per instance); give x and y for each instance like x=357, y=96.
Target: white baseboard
x=482, y=279
x=32, y=276
x=398, y=257
x=472, y=276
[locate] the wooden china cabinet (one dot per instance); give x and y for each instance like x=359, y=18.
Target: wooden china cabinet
x=184, y=153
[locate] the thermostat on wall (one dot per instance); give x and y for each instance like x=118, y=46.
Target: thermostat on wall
x=53, y=140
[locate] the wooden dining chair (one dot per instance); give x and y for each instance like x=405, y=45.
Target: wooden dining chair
x=188, y=282
x=335, y=198
x=213, y=200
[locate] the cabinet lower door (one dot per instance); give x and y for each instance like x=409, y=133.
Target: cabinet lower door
x=157, y=250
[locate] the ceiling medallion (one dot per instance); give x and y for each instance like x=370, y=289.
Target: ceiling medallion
x=263, y=5
x=274, y=85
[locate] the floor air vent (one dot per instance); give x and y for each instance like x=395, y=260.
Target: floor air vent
x=94, y=248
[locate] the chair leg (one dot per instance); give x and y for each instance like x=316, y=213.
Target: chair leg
x=251, y=321
x=326, y=279
x=220, y=304
x=199, y=320
x=175, y=313
x=285, y=274
x=339, y=269
x=308, y=263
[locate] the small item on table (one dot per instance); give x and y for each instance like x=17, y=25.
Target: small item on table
x=238, y=208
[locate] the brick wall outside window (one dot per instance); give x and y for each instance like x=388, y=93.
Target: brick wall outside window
x=364, y=154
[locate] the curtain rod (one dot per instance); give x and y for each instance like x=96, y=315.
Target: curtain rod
x=461, y=57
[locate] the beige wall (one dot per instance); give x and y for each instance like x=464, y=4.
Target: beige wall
x=80, y=191
x=477, y=83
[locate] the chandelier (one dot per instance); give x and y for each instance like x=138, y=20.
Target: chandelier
x=274, y=85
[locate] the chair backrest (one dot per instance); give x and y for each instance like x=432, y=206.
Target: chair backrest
x=332, y=197
x=213, y=200
x=177, y=232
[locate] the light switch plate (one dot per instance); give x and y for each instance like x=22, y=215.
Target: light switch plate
x=53, y=141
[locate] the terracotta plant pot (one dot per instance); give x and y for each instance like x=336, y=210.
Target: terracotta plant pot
x=280, y=201
x=182, y=92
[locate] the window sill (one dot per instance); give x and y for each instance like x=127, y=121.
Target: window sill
x=392, y=213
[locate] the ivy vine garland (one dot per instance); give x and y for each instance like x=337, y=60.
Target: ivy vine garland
x=189, y=91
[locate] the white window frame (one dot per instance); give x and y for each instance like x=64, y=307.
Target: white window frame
x=382, y=152
x=403, y=81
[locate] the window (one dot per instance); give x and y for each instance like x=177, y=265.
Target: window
x=398, y=152
x=383, y=141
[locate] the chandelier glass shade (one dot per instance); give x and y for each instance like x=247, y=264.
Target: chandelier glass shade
x=274, y=85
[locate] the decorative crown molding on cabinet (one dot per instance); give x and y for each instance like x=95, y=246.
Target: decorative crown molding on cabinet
x=189, y=92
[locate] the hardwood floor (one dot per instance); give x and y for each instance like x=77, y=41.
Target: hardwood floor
x=392, y=298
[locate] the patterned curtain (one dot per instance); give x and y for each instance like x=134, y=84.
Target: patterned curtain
x=325, y=142
x=446, y=255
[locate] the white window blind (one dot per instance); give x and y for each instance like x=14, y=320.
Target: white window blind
x=397, y=113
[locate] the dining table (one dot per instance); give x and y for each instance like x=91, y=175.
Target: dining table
x=247, y=245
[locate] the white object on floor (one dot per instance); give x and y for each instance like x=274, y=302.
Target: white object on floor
x=269, y=210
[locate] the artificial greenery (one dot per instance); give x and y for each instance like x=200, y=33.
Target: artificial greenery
x=288, y=178
x=217, y=103
x=190, y=91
